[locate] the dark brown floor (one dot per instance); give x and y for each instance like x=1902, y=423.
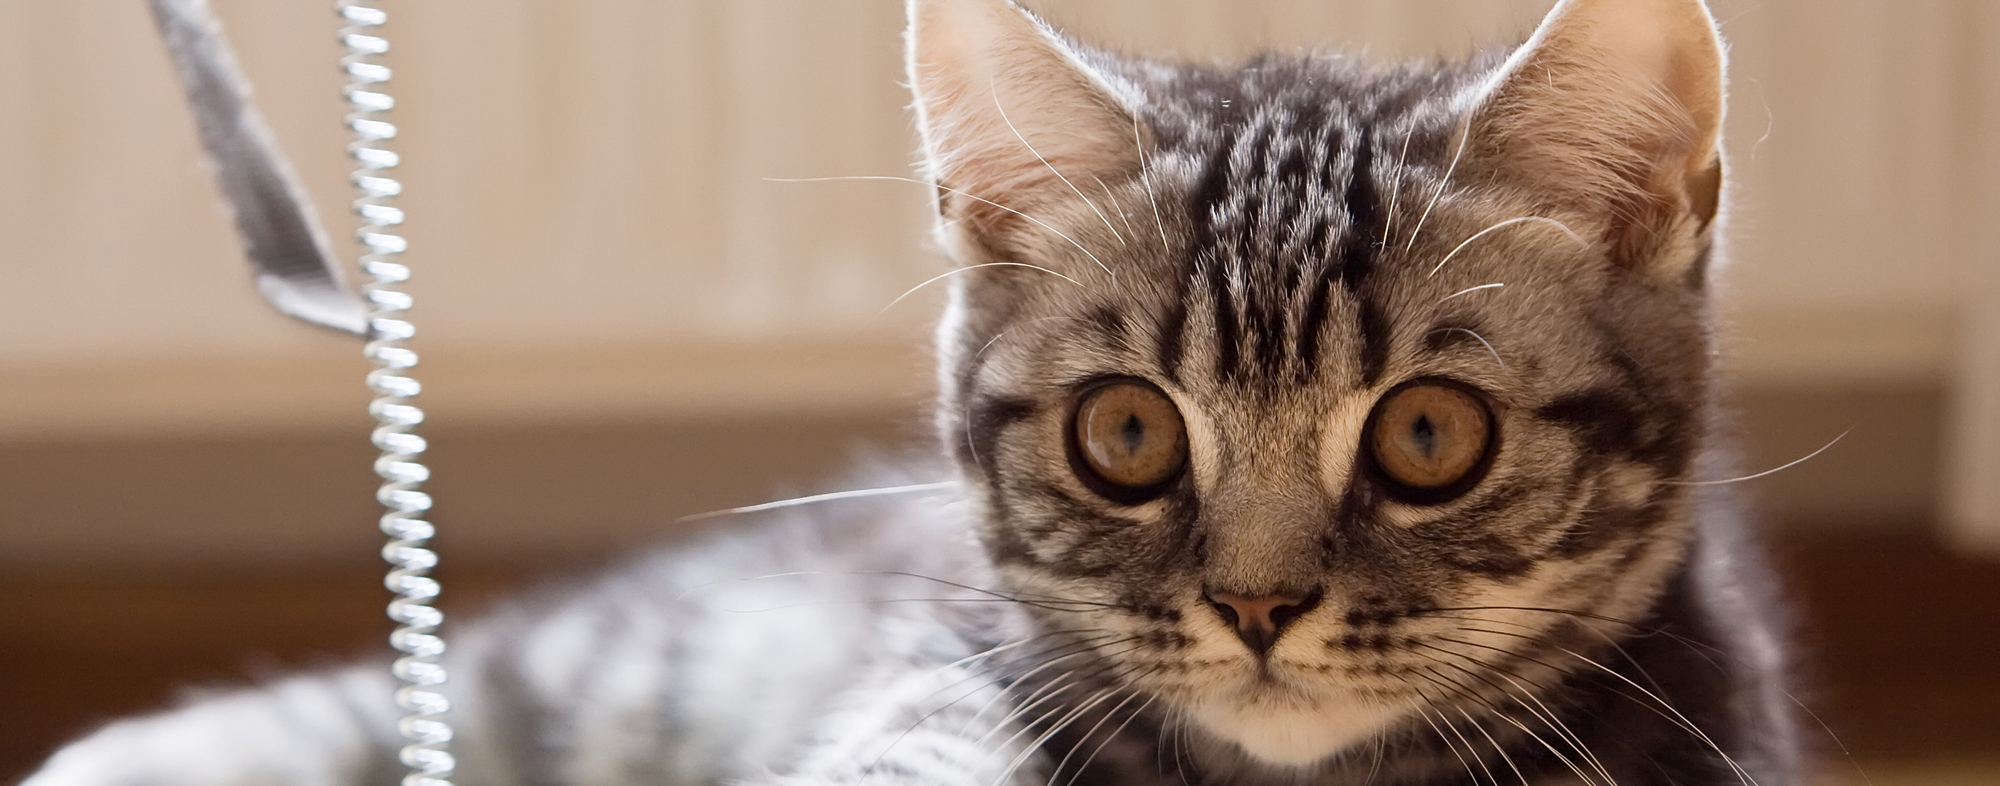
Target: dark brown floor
x=1905, y=662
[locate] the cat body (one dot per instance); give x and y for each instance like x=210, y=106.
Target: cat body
x=1315, y=422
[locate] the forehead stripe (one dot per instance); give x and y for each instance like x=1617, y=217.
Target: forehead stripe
x=1358, y=246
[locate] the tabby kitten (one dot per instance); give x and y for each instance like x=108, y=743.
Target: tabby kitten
x=1315, y=422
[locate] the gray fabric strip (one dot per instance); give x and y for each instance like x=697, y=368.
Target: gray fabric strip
x=288, y=250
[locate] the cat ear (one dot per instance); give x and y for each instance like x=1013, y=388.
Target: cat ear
x=1014, y=123
x=1614, y=108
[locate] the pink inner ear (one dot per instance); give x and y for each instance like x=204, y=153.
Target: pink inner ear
x=1011, y=119
x=1613, y=109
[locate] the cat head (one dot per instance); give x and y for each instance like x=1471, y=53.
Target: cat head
x=1323, y=392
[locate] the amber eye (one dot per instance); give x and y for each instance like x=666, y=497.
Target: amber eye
x=1127, y=441
x=1431, y=439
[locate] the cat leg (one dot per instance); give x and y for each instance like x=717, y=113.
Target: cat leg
x=321, y=730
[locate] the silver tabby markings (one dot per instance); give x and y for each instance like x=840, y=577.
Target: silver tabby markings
x=1317, y=422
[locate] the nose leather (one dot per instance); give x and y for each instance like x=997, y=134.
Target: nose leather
x=1260, y=619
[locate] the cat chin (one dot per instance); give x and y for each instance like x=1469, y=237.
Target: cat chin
x=1287, y=732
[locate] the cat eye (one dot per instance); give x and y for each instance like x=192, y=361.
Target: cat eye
x=1127, y=441
x=1431, y=440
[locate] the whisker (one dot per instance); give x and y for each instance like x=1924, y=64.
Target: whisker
x=1542, y=609
x=1086, y=637
x=1101, y=696
x=1475, y=335
x=1470, y=290
x=947, y=705
x=1375, y=768
x=1124, y=216
x=1453, y=687
x=1765, y=473
x=956, y=271
x=984, y=591
x=1029, y=751
x=1503, y=225
x=1664, y=707
x=1688, y=724
x=1024, y=598
x=943, y=187
x=1053, y=169
x=1447, y=744
x=1011, y=328
x=1504, y=758
x=1108, y=715
x=915, y=488
x=809, y=604
x=1518, y=692
x=1180, y=744
x=1146, y=181
x=884, y=753
x=1066, y=680
x=1108, y=739
x=1464, y=134
x=1574, y=743
x=1701, y=648
x=1396, y=188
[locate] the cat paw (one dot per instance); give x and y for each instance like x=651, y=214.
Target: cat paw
x=295, y=733
x=152, y=753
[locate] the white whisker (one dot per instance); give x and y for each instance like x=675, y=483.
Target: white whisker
x=916, y=488
x=1087, y=734
x=956, y=271
x=1774, y=470
x=1470, y=290
x=1481, y=339
x=1684, y=722
x=1052, y=167
x=1058, y=684
x=1124, y=216
x=1498, y=748
x=1447, y=744
x=1146, y=181
x=1110, y=738
x=1476, y=758
x=1503, y=225
x=943, y=187
x=1100, y=697
x=1561, y=729
x=1498, y=712
x=1011, y=328
x=1562, y=732
x=1395, y=189
x=1463, y=135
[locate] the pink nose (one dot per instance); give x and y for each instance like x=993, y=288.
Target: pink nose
x=1259, y=619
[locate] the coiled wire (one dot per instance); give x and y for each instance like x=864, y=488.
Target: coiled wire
x=423, y=726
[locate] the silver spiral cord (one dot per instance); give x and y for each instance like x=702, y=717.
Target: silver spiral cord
x=423, y=725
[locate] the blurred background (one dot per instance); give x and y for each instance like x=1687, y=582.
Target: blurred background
x=624, y=319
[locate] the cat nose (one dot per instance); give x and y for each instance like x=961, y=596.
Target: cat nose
x=1259, y=619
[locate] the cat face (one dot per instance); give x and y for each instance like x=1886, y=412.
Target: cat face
x=1322, y=398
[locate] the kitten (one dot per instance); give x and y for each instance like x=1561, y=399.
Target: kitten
x=1316, y=422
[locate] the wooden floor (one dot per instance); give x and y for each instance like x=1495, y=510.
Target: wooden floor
x=1902, y=655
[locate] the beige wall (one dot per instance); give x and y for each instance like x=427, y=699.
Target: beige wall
x=596, y=238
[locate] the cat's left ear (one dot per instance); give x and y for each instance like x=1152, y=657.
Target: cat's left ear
x=1014, y=122
x=1614, y=110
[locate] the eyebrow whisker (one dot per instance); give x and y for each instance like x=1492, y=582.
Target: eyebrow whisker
x=1475, y=335
x=1469, y=290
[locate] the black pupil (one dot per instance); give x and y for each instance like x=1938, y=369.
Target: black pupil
x=1425, y=435
x=1134, y=432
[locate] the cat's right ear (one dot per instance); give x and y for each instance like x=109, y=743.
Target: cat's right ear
x=1614, y=109
x=1014, y=123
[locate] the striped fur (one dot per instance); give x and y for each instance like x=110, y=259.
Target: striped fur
x=1275, y=245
